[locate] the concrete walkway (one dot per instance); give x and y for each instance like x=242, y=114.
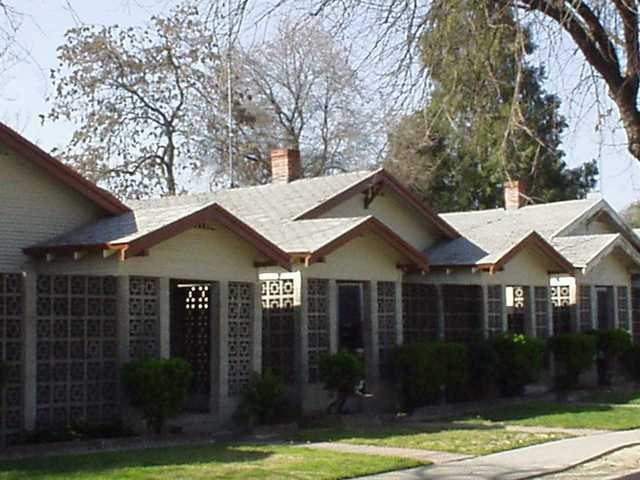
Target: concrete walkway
x=523, y=463
x=434, y=457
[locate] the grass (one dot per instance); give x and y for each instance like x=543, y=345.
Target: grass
x=563, y=415
x=204, y=462
x=613, y=397
x=470, y=441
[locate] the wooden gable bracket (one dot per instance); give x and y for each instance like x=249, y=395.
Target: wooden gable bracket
x=371, y=193
x=408, y=268
x=264, y=263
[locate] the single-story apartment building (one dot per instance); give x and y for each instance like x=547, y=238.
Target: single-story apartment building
x=273, y=276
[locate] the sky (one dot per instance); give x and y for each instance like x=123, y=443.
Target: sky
x=26, y=87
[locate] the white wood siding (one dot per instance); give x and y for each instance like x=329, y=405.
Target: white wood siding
x=35, y=207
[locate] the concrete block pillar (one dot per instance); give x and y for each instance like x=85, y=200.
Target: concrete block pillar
x=530, y=327
x=616, y=316
x=164, y=313
x=30, y=299
x=302, y=330
x=550, y=324
x=256, y=331
x=440, y=303
x=485, y=311
x=594, y=307
x=629, y=310
x=399, y=315
x=220, y=375
x=503, y=313
x=333, y=316
x=371, y=350
x=122, y=302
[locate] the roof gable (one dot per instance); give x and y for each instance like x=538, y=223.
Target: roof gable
x=25, y=149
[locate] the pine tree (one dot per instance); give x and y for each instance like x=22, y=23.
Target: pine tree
x=488, y=118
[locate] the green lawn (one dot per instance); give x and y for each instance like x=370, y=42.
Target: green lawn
x=481, y=441
x=203, y=462
x=564, y=415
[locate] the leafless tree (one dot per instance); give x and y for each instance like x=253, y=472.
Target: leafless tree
x=136, y=96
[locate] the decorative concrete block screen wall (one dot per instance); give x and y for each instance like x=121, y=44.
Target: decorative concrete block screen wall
x=11, y=334
x=77, y=370
x=144, y=318
x=419, y=312
x=541, y=310
x=462, y=312
x=635, y=311
x=318, y=329
x=241, y=318
x=386, y=326
x=494, y=310
x=585, y=308
x=624, y=322
x=278, y=327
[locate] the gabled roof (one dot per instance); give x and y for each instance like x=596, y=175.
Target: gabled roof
x=463, y=252
x=137, y=231
x=384, y=179
x=25, y=149
x=586, y=251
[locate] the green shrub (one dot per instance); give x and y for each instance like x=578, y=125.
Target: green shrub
x=340, y=373
x=631, y=362
x=482, y=369
x=518, y=362
x=157, y=387
x=574, y=353
x=260, y=398
x=612, y=343
x=79, y=430
x=425, y=369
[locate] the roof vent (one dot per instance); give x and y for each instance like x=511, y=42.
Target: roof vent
x=285, y=165
x=514, y=196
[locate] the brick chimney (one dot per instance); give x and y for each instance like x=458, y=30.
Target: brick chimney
x=285, y=165
x=514, y=196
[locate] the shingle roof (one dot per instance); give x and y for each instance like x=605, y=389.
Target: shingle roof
x=582, y=249
x=488, y=234
x=268, y=209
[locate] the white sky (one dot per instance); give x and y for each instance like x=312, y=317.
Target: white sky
x=25, y=91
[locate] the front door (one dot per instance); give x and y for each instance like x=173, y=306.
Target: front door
x=191, y=337
x=350, y=318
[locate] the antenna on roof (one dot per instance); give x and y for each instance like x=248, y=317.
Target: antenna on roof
x=229, y=96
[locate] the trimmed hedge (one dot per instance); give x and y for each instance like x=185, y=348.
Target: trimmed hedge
x=518, y=362
x=575, y=353
x=158, y=387
x=424, y=370
x=260, y=398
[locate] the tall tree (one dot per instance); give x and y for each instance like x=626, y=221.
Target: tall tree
x=136, y=96
x=605, y=32
x=488, y=119
x=302, y=91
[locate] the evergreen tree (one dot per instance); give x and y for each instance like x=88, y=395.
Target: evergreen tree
x=488, y=118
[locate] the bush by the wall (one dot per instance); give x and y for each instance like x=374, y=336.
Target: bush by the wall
x=518, y=362
x=260, y=399
x=611, y=346
x=340, y=373
x=631, y=362
x=157, y=387
x=425, y=369
x=482, y=369
x=574, y=353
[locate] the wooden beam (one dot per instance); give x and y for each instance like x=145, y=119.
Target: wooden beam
x=371, y=193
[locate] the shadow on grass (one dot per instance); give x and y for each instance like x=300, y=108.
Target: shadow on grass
x=527, y=411
x=98, y=463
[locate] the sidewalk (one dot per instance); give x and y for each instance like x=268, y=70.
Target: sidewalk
x=522, y=463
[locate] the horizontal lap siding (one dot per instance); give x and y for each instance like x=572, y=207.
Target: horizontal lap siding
x=35, y=207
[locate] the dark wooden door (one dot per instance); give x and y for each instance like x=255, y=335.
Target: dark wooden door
x=191, y=338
